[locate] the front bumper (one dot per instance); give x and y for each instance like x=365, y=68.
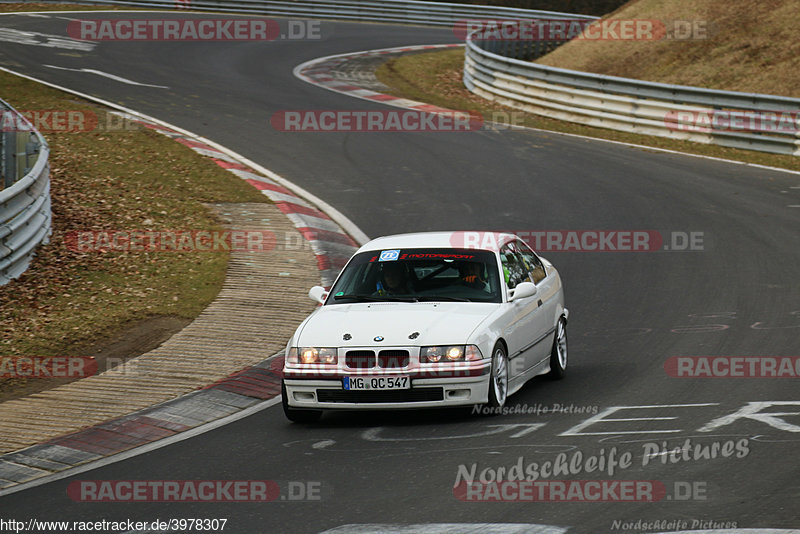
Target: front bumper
x=428, y=389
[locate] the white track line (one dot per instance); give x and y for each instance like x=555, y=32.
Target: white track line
x=106, y=75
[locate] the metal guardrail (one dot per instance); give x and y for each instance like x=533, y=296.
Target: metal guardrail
x=398, y=11
x=503, y=71
x=25, y=217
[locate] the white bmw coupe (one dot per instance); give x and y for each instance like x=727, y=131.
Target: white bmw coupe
x=428, y=320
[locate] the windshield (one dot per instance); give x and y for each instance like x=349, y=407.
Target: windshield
x=416, y=275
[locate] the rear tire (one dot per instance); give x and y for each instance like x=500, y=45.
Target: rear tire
x=558, y=356
x=297, y=416
x=498, y=379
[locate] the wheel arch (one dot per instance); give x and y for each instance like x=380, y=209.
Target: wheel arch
x=502, y=341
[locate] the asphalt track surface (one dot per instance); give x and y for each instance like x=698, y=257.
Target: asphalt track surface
x=739, y=296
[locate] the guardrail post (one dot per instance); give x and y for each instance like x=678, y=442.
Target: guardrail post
x=32, y=147
x=20, y=155
x=8, y=167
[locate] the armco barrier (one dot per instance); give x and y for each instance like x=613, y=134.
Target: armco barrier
x=25, y=218
x=503, y=71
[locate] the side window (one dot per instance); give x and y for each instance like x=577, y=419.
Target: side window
x=533, y=264
x=514, y=268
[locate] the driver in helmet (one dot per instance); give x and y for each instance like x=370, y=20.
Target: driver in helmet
x=394, y=280
x=471, y=275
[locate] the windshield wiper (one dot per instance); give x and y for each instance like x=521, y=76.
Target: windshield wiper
x=376, y=298
x=357, y=297
x=452, y=299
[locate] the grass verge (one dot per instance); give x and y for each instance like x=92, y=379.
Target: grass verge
x=127, y=179
x=410, y=77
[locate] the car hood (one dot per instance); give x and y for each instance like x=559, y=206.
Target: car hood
x=438, y=323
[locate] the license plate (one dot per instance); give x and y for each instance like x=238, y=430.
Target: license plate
x=356, y=383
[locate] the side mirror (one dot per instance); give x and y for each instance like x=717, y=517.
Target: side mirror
x=523, y=290
x=318, y=294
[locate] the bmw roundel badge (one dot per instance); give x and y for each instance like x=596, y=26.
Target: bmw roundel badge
x=378, y=339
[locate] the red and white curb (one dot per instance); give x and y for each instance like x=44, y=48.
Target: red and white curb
x=318, y=72
x=333, y=239
x=239, y=395
x=331, y=245
x=232, y=397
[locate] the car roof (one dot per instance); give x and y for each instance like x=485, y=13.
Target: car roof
x=471, y=239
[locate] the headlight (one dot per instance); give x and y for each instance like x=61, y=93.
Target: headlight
x=431, y=354
x=449, y=353
x=312, y=355
x=454, y=353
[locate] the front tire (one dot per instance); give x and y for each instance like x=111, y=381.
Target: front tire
x=297, y=416
x=498, y=379
x=558, y=356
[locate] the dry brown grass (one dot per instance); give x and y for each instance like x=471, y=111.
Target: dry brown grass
x=751, y=46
